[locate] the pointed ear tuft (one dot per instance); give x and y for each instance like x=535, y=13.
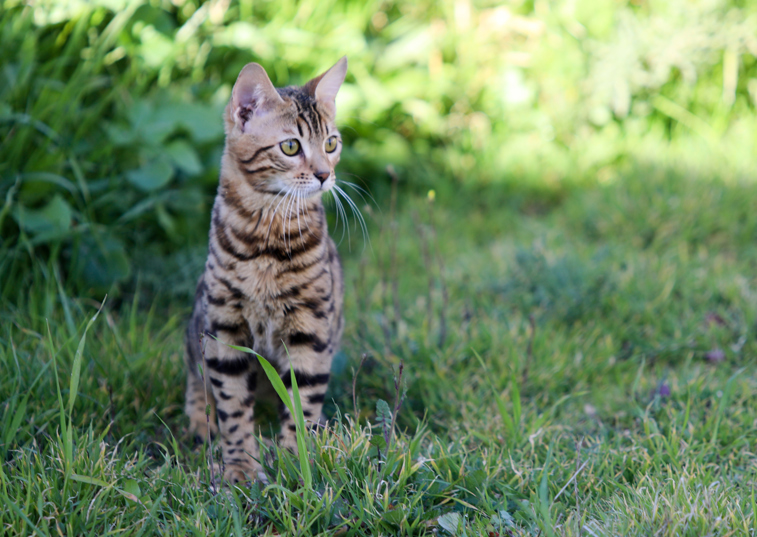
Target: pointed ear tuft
x=253, y=94
x=325, y=87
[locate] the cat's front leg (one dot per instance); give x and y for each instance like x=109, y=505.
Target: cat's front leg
x=233, y=377
x=310, y=358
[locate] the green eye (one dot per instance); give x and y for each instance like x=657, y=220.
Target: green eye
x=331, y=144
x=290, y=147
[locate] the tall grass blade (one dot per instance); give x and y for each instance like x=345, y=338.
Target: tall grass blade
x=76, y=369
x=15, y=422
x=511, y=424
x=61, y=407
x=724, y=403
x=295, y=408
x=515, y=391
x=7, y=501
x=299, y=419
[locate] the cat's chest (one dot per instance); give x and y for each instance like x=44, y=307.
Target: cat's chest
x=258, y=281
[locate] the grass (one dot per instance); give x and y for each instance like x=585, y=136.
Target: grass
x=561, y=343
x=596, y=378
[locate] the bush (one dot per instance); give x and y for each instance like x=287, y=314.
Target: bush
x=110, y=112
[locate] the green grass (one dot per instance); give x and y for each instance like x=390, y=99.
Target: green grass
x=614, y=393
x=573, y=317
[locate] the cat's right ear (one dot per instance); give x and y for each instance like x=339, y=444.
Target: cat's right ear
x=253, y=94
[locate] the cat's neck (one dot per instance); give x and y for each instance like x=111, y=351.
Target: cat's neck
x=269, y=220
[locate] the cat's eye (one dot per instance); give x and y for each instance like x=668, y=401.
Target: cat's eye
x=290, y=147
x=331, y=144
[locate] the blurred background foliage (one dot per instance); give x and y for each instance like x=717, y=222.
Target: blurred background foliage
x=110, y=110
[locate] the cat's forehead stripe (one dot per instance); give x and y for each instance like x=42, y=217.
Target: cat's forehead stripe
x=307, y=111
x=310, y=116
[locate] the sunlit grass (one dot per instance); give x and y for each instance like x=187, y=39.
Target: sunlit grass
x=625, y=408
x=574, y=312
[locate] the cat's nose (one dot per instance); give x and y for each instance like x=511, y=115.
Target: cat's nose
x=322, y=176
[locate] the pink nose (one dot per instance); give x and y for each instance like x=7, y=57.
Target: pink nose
x=322, y=176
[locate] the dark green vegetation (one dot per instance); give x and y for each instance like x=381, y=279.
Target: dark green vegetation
x=575, y=312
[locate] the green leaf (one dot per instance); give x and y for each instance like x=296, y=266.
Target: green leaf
x=151, y=126
x=383, y=413
x=50, y=178
x=184, y=157
x=166, y=221
x=203, y=122
x=55, y=216
x=503, y=518
x=394, y=517
x=120, y=135
x=132, y=487
x=474, y=480
x=384, y=418
x=378, y=441
x=451, y=522
x=100, y=261
x=153, y=175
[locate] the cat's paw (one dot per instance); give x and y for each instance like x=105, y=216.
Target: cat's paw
x=198, y=427
x=238, y=475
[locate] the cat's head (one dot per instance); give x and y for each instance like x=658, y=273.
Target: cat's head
x=285, y=140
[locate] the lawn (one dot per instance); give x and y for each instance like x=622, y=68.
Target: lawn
x=551, y=313
x=594, y=376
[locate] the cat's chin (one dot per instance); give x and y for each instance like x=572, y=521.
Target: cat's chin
x=314, y=192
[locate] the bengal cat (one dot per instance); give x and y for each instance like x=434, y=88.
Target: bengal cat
x=273, y=275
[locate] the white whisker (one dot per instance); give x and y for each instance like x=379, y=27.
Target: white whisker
x=307, y=212
x=288, y=217
x=299, y=227
x=346, y=225
x=360, y=191
x=273, y=216
x=358, y=215
x=336, y=210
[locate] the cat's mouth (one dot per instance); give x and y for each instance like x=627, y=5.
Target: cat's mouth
x=315, y=188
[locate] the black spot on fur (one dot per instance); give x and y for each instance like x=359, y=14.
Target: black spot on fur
x=229, y=366
x=303, y=338
x=305, y=379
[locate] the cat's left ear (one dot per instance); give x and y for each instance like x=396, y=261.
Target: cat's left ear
x=253, y=94
x=325, y=87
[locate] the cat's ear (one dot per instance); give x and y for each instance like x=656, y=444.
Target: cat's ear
x=325, y=87
x=253, y=94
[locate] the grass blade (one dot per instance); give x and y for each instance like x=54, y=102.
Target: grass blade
x=22, y=515
x=299, y=420
x=18, y=416
x=89, y=480
x=511, y=424
x=293, y=404
x=724, y=404
x=76, y=369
